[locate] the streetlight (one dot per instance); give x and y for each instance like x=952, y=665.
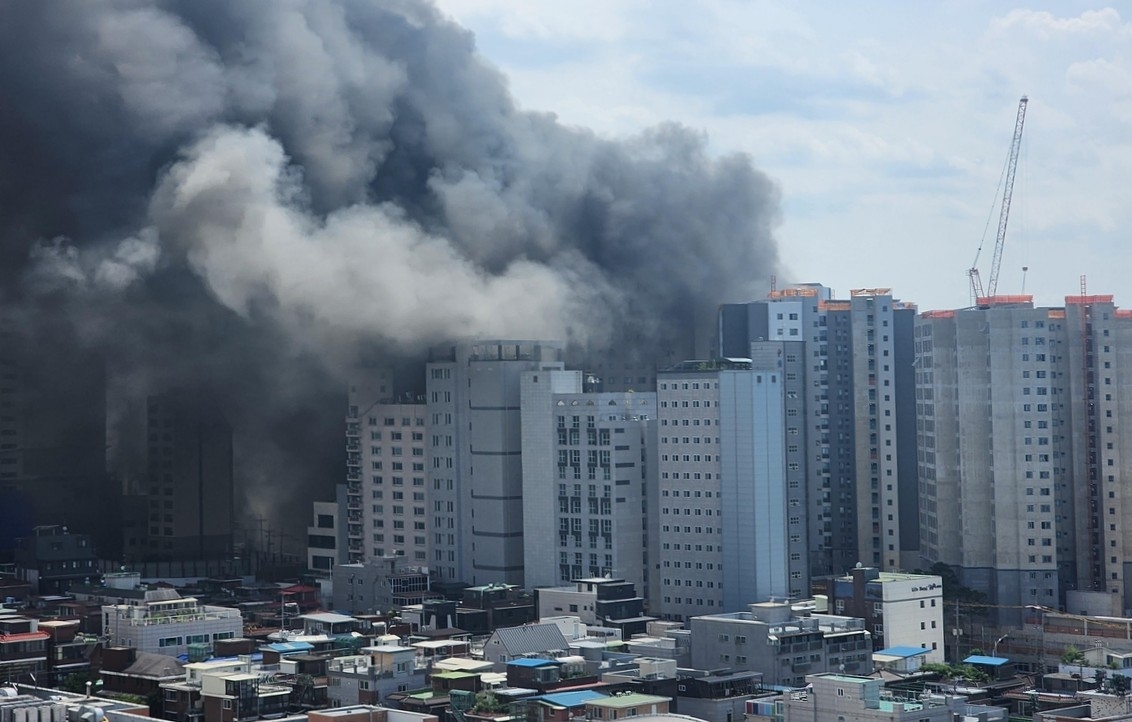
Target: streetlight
x=994, y=653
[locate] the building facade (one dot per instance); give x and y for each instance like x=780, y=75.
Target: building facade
x=387, y=465
x=850, y=412
x=900, y=610
x=326, y=536
x=1022, y=455
x=772, y=639
x=475, y=472
x=724, y=532
x=379, y=585
x=189, y=478
x=588, y=471
x=166, y=623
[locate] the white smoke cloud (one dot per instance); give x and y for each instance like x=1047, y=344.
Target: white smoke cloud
x=235, y=206
x=115, y=267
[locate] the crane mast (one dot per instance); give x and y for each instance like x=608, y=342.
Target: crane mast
x=1004, y=216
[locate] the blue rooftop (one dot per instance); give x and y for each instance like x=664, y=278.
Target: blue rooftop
x=988, y=661
x=904, y=652
x=571, y=699
x=525, y=662
x=289, y=647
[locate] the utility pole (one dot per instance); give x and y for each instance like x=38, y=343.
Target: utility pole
x=956, y=632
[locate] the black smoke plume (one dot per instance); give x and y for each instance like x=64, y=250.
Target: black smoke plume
x=235, y=195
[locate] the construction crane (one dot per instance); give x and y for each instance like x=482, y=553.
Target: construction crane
x=977, y=289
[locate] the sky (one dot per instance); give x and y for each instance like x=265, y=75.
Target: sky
x=886, y=125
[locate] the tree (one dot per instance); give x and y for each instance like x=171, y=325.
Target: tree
x=487, y=703
x=76, y=682
x=1120, y=684
x=1072, y=655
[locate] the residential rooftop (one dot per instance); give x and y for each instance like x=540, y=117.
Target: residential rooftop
x=627, y=700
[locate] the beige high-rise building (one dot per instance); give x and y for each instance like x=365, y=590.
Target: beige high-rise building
x=1023, y=461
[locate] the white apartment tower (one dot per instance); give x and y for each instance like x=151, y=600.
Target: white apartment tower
x=589, y=471
x=387, y=468
x=723, y=527
x=1022, y=455
x=475, y=472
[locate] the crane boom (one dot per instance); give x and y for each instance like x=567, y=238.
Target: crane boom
x=1007, y=194
x=977, y=289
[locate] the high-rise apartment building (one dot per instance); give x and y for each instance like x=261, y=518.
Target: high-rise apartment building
x=475, y=470
x=190, y=483
x=394, y=491
x=589, y=471
x=53, y=437
x=387, y=453
x=725, y=534
x=1022, y=455
x=851, y=416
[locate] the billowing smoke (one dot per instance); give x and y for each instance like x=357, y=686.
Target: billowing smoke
x=236, y=195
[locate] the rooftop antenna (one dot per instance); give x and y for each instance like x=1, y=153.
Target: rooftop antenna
x=1024, y=269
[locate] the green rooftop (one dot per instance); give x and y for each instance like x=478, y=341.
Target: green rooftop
x=627, y=700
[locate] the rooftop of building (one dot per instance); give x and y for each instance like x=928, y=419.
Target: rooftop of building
x=570, y=699
x=707, y=365
x=632, y=699
x=986, y=660
x=901, y=652
x=533, y=663
x=883, y=577
x=327, y=617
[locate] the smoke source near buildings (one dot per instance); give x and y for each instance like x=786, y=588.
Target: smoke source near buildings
x=234, y=196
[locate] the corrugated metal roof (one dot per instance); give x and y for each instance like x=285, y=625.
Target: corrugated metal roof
x=284, y=647
x=571, y=699
x=529, y=662
x=989, y=661
x=531, y=639
x=903, y=652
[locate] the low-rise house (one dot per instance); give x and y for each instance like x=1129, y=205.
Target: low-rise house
x=23, y=648
x=486, y=608
x=782, y=644
x=528, y=640
x=238, y=697
x=630, y=704
x=129, y=671
x=601, y=601
x=370, y=677
x=378, y=585
x=715, y=695
x=329, y=624
x=546, y=675
x=67, y=653
x=368, y=713
x=1097, y=706
x=181, y=699
x=556, y=706
x=901, y=660
x=864, y=699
